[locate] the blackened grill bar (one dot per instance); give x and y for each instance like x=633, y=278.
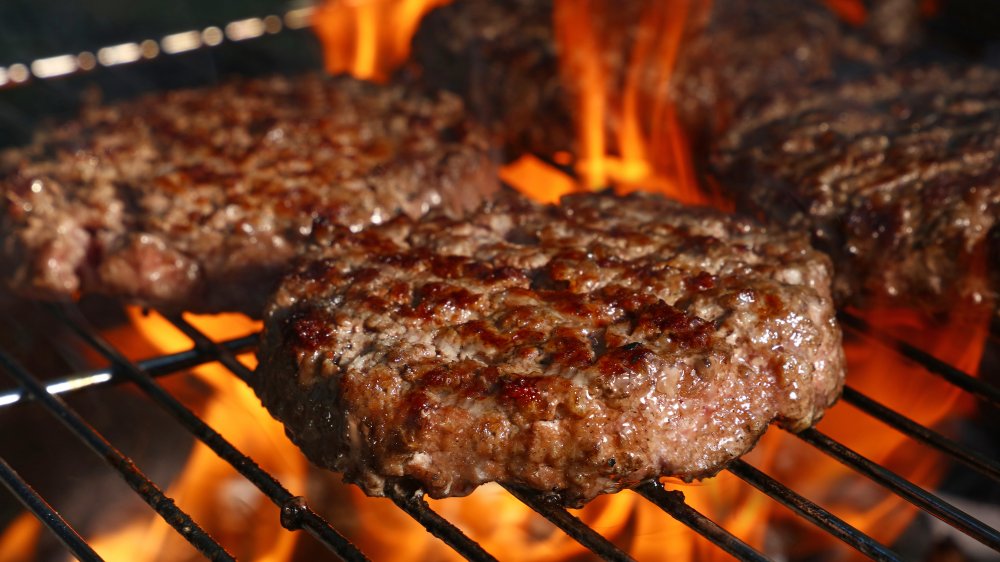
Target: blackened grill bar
x=672, y=502
x=41, y=509
x=296, y=515
x=905, y=489
x=150, y=493
x=805, y=508
x=959, y=452
x=977, y=387
x=156, y=367
x=304, y=517
x=569, y=523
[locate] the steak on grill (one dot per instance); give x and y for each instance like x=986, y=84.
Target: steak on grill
x=198, y=199
x=576, y=349
x=896, y=176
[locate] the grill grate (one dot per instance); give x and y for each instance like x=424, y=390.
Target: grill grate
x=295, y=513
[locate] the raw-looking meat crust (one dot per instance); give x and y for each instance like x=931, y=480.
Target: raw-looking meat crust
x=896, y=176
x=199, y=199
x=577, y=349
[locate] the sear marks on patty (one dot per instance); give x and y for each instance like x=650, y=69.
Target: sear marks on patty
x=198, y=199
x=576, y=349
x=503, y=58
x=897, y=177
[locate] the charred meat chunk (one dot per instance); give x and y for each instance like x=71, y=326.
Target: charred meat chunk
x=199, y=199
x=577, y=349
x=896, y=176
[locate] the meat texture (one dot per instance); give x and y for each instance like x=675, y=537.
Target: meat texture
x=504, y=59
x=199, y=199
x=501, y=58
x=896, y=176
x=576, y=349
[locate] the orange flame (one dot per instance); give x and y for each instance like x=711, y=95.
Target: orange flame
x=627, y=123
x=18, y=543
x=368, y=38
x=228, y=507
x=245, y=522
x=632, y=139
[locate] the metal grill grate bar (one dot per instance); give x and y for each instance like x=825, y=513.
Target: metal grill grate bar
x=672, y=502
x=986, y=466
x=296, y=515
x=569, y=523
x=905, y=489
x=977, y=387
x=303, y=516
x=805, y=508
x=138, y=481
x=46, y=514
x=206, y=345
x=156, y=366
x=413, y=503
x=414, y=506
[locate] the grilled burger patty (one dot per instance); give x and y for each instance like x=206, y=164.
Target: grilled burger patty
x=198, y=199
x=576, y=349
x=503, y=58
x=896, y=176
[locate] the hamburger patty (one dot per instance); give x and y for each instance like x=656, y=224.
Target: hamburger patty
x=576, y=349
x=503, y=58
x=198, y=199
x=896, y=176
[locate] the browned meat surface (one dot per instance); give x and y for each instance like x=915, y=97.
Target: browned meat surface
x=198, y=199
x=576, y=349
x=896, y=177
x=503, y=58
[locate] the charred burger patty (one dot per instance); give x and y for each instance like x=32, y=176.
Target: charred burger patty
x=896, y=176
x=577, y=349
x=198, y=199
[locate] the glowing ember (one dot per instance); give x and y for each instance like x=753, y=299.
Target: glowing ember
x=368, y=38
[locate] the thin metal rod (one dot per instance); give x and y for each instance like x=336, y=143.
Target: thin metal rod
x=408, y=501
x=412, y=502
x=904, y=488
x=673, y=503
x=138, y=481
x=977, y=387
x=809, y=510
x=569, y=523
x=155, y=366
x=207, y=345
x=295, y=514
x=34, y=503
x=969, y=457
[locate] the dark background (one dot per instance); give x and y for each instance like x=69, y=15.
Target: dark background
x=33, y=29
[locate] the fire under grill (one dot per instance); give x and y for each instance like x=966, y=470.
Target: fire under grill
x=32, y=388
x=296, y=514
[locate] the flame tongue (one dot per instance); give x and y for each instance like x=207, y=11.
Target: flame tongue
x=617, y=64
x=368, y=38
